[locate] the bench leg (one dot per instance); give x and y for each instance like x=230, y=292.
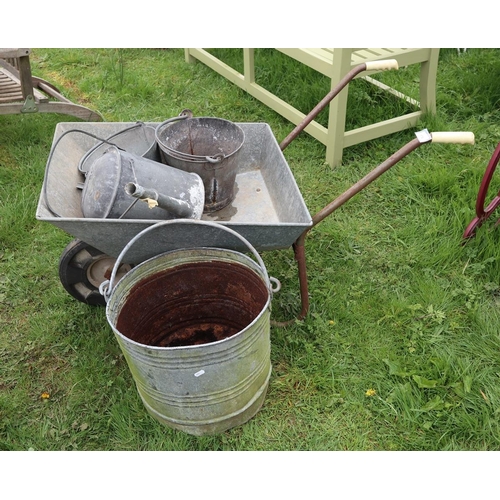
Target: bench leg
x=428, y=77
x=338, y=109
x=188, y=57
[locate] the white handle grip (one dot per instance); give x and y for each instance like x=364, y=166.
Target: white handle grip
x=382, y=65
x=453, y=137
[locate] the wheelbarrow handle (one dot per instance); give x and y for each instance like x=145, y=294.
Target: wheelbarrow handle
x=453, y=137
x=368, y=66
x=383, y=65
x=422, y=137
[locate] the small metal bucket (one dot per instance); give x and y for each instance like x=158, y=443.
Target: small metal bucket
x=194, y=327
x=117, y=180
x=208, y=147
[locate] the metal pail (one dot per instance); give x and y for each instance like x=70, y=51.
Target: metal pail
x=138, y=139
x=208, y=147
x=194, y=327
x=118, y=184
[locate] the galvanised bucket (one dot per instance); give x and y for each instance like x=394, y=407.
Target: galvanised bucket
x=208, y=147
x=194, y=327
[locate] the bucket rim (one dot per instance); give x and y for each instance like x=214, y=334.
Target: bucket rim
x=252, y=264
x=177, y=121
x=194, y=158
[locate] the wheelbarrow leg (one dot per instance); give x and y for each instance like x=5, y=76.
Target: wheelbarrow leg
x=299, y=250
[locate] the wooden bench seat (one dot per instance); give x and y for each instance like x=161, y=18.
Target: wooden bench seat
x=336, y=63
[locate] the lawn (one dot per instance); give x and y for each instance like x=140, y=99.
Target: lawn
x=400, y=350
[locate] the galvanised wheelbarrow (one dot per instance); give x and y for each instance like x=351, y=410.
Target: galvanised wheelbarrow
x=268, y=209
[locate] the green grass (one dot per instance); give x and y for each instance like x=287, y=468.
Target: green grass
x=398, y=304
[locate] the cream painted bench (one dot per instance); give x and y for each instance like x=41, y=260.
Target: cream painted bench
x=335, y=63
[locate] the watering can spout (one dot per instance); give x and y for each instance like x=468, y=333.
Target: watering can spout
x=179, y=208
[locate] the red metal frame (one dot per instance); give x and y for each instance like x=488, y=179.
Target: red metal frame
x=483, y=213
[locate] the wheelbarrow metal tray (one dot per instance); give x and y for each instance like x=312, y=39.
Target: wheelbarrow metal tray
x=268, y=209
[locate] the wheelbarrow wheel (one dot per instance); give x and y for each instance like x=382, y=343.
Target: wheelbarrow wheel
x=82, y=269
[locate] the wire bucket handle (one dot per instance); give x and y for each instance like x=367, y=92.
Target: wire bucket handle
x=106, y=287
x=108, y=140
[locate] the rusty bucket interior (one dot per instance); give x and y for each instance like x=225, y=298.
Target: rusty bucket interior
x=199, y=303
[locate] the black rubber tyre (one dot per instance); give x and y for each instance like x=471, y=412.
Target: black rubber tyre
x=82, y=269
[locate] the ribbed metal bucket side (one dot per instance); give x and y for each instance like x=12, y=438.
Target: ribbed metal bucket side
x=199, y=389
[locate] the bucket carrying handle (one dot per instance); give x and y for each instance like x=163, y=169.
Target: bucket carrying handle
x=107, y=286
x=107, y=141
x=215, y=159
x=184, y=114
